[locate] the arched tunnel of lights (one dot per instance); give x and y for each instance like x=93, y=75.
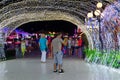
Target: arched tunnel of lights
x=109, y=54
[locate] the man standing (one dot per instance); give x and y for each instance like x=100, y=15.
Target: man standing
x=2, y=46
x=56, y=46
x=43, y=46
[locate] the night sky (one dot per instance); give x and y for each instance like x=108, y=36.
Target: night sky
x=53, y=26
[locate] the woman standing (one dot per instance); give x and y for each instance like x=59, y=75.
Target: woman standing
x=23, y=47
x=65, y=45
x=76, y=47
x=43, y=43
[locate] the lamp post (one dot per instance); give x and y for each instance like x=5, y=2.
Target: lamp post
x=97, y=14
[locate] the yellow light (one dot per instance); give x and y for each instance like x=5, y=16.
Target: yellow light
x=90, y=15
x=97, y=12
x=53, y=32
x=99, y=5
x=50, y=33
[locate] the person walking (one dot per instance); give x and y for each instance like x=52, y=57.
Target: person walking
x=80, y=45
x=73, y=45
x=2, y=47
x=2, y=52
x=18, y=51
x=56, y=48
x=65, y=45
x=23, y=47
x=43, y=43
x=70, y=46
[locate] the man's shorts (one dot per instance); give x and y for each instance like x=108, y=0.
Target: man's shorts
x=58, y=57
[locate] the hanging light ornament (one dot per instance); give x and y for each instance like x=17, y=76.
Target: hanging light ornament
x=99, y=5
x=90, y=15
x=97, y=12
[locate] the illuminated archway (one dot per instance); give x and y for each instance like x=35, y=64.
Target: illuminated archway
x=16, y=17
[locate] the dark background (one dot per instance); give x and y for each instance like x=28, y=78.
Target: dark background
x=46, y=26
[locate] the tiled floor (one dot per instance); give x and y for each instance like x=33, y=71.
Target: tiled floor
x=32, y=69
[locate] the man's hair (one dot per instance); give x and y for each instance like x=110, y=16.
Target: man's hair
x=58, y=34
x=43, y=32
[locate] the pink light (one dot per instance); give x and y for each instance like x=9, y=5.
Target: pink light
x=10, y=37
x=18, y=42
x=9, y=42
x=79, y=30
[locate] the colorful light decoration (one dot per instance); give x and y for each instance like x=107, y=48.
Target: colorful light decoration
x=9, y=42
x=10, y=37
x=18, y=42
x=110, y=24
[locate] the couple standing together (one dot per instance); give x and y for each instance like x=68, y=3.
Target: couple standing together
x=56, y=47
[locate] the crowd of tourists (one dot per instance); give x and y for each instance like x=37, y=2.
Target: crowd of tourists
x=53, y=47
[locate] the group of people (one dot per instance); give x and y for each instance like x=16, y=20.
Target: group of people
x=25, y=46
x=73, y=46
x=60, y=47
x=20, y=46
x=56, y=49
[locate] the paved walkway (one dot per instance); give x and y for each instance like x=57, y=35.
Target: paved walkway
x=32, y=69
